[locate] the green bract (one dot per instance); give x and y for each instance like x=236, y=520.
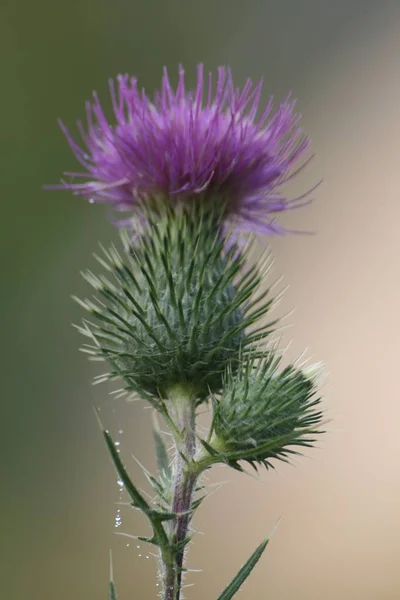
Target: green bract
x=178, y=305
x=261, y=413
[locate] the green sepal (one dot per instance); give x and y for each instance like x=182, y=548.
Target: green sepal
x=244, y=572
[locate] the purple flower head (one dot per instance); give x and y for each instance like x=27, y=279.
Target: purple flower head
x=217, y=146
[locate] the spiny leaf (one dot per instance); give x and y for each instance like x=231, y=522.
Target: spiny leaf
x=137, y=498
x=178, y=547
x=163, y=515
x=196, y=503
x=148, y=540
x=157, y=486
x=244, y=572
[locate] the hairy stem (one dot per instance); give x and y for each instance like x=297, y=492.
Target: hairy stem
x=184, y=481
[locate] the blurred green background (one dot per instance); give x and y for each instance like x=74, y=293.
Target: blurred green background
x=338, y=536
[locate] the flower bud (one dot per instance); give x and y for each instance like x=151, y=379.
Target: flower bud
x=261, y=412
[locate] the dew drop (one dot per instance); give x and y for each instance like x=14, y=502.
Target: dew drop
x=118, y=518
x=91, y=201
x=120, y=431
x=117, y=443
x=120, y=483
x=137, y=546
x=139, y=555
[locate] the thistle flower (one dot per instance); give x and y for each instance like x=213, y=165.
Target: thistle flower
x=186, y=145
x=178, y=313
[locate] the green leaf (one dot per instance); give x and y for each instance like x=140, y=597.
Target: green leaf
x=244, y=572
x=163, y=516
x=136, y=497
x=138, y=501
x=148, y=540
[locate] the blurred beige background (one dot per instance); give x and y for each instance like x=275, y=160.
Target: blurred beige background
x=339, y=534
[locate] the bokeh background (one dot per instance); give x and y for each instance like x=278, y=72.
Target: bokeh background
x=339, y=535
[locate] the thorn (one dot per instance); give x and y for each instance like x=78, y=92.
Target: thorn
x=275, y=527
x=98, y=418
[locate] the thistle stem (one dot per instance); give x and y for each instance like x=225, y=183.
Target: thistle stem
x=184, y=481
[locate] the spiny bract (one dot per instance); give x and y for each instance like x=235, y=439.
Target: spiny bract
x=180, y=308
